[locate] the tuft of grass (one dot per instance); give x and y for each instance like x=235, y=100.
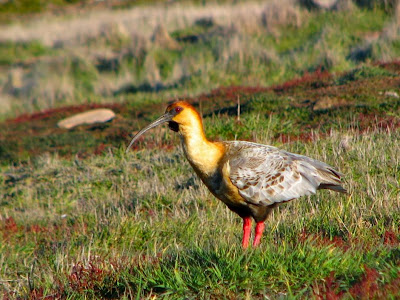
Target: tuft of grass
x=364, y=73
x=20, y=52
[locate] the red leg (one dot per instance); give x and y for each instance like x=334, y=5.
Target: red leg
x=259, y=231
x=246, y=232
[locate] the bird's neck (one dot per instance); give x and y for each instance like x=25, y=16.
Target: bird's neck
x=201, y=153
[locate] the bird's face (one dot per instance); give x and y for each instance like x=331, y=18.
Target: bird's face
x=182, y=114
x=177, y=114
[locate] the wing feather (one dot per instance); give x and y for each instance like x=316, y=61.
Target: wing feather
x=266, y=175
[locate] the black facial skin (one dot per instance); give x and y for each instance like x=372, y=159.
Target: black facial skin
x=173, y=126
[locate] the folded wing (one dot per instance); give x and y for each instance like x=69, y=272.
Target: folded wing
x=266, y=175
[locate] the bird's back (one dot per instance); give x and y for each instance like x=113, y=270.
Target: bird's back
x=265, y=175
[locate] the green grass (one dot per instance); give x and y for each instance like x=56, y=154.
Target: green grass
x=222, y=55
x=111, y=225
x=12, y=53
x=142, y=224
x=80, y=219
x=364, y=73
x=19, y=8
x=356, y=100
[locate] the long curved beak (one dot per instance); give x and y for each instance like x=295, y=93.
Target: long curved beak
x=164, y=118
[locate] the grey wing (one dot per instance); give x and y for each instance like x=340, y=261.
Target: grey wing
x=265, y=175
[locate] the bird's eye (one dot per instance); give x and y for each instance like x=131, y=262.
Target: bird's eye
x=178, y=109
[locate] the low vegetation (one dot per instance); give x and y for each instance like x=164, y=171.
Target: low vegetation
x=112, y=225
x=103, y=57
x=80, y=219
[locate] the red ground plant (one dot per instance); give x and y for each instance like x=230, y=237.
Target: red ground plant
x=85, y=276
x=49, y=113
x=367, y=287
x=315, y=79
x=329, y=290
x=390, y=238
x=9, y=227
x=322, y=240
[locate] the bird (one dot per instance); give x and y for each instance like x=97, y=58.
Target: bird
x=249, y=178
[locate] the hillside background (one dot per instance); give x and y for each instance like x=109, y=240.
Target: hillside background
x=80, y=219
x=69, y=52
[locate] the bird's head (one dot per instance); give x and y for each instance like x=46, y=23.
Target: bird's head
x=179, y=115
x=182, y=115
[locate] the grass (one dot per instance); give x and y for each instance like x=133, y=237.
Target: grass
x=355, y=100
x=13, y=53
x=96, y=60
x=80, y=219
x=112, y=225
x=96, y=228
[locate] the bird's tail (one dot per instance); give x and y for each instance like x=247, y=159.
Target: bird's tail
x=333, y=187
x=331, y=180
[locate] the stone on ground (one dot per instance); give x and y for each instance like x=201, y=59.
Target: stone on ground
x=100, y=115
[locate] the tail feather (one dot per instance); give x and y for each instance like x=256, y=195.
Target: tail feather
x=327, y=176
x=333, y=187
x=331, y=180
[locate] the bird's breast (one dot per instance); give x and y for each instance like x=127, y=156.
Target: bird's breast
x=209, y=162
x=220, y=185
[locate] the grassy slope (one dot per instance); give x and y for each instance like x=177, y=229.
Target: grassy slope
x=80, y=219
x=103, y=56
x=142, y=224
x=302, y=106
